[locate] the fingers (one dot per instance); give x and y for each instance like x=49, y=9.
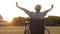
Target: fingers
x=16, y=4
x=52, y=5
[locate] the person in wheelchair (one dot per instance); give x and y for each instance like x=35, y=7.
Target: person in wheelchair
x=36, y=24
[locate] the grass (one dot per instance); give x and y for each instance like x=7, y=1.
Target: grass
x=20, y=30
x=53, y=30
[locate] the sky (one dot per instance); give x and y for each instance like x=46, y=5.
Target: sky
x=8, y=8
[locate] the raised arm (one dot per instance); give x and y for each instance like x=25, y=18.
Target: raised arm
x=46, y=11
x=50, y=8
x=25, y=10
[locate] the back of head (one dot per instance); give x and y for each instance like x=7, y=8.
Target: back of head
x=38, y=7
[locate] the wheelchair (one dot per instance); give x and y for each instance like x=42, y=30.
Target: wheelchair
x=27, y=30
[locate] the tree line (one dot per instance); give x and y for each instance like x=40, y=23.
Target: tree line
x=49, y=21
x=52, y=21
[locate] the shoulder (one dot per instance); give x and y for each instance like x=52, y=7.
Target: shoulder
x=30, y=12
x=44, y=11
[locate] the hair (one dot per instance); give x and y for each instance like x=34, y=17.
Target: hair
x=38, y=7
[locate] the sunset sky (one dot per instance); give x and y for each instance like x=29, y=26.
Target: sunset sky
x=8, y=8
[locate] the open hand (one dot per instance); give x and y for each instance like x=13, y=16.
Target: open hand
x=52, y=6
x=16, y=4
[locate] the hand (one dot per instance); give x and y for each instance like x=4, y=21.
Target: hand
x=16, y=4
x=52, y=6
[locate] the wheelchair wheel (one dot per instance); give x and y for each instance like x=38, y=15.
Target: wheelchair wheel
x=47, y=31
x=26, y=32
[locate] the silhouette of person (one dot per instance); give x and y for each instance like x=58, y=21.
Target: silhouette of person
x=37, y=19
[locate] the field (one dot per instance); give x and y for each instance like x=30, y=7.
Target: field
x=20, y=30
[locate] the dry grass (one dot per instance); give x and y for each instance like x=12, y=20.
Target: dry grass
x=20, y=30
x=54, y=30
